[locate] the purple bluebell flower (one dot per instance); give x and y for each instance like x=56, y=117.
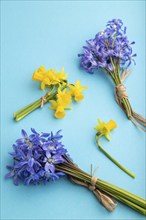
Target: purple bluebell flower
x=50, y=161
x=35, y=157
x=109, y=48
x=115, y=24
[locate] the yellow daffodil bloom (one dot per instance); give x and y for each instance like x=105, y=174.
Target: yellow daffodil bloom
x=64, y=96
x=76, y=90
x=59, y=113
x=105, y=128
x=50, y=77
x=39, y=74
x=59, y=109
x=61, y=75
x=59, y=106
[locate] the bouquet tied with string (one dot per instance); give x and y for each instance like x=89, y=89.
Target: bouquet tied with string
x=60, y=93
x=111, y=52
x=41, y=157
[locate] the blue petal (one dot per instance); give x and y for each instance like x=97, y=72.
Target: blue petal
x=45, y=134
x=48, y=154
x=33, y=131
x=31, y=162
x=24, y=134
x=16, y=180
x=47, y=166
x=8, y=175
x=52, y=168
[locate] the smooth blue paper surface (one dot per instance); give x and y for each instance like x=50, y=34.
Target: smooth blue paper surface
x=52, y=33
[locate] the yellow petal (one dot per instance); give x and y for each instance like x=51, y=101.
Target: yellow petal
x=97, y=128
x=60, y=113
x=78, y=83
x=79, y=87
x=54, y=105
x=107, y=136
x=99, y=122
x=37, y=76
x=42, y=69
x=61, y=75
x=100, y=125
x=72, y=89
x=112, y=124
x=43, y=86
x=105, y=128
x=64, y=97
x=78, y=97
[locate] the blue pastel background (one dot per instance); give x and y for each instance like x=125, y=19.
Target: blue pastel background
x=52, y=33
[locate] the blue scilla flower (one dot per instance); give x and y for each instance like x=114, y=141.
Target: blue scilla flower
x=109, y=48
x=35, y=156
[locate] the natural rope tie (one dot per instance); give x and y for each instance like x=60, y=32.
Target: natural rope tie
x=93, y=183
x=121, y=91
x=109, y=203
x=43, y=101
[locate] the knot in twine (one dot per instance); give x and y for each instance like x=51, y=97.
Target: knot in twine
x=108, y=202
x=93, y=183
x=121, y=91
x=43, y=101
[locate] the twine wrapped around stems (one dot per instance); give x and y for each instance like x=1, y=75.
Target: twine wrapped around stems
x=109, y=203
x=111, y=51
x=44, y=100
x=121, y=97
x=105, y=192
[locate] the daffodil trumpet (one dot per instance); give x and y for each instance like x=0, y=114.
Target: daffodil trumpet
x=60, y=93
x=104, y=130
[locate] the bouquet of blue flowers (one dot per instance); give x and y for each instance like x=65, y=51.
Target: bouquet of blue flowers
x=111, y=52
x=39, y=158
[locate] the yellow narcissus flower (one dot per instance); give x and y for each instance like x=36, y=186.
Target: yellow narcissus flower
x=105, y=128
x=59, y=108
x=61, y=75
x=76, y=90
x=50, y=77
x=64, y=96
x=60, y=113
x=39, y=74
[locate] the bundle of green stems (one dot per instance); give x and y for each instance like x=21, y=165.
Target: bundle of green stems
x=121, y=95
x=33, y=106
x=51, y=94
x=80, y=177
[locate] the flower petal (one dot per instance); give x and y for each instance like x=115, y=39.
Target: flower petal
x=31, y=162
x=24, y=134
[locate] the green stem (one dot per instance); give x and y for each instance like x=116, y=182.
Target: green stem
x=121, y=192
x=135, y=202
x=37, y=104
x=23, y=109
x=114, y=160
x=31, y=107
x=127, y=202
x=28, y=110
x=126, y=104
